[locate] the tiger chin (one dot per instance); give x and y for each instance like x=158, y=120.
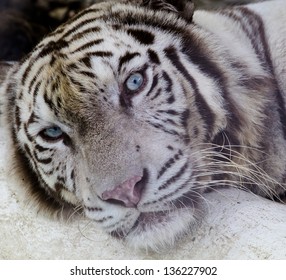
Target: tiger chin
x=132, y=110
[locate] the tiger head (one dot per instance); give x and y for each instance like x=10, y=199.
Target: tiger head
x=107, y=115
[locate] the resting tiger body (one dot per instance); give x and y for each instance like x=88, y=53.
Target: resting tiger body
x=133, y=109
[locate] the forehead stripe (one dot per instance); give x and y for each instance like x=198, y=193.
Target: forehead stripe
x=77, y=27
x=144, y=37
x=81, y=14
x=153, y=56
x=84, y=32
x=100, y=54
x=53, y=46
x=87, y=45
x=126, y=58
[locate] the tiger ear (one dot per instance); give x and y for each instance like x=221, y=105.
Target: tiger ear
x=184, y=8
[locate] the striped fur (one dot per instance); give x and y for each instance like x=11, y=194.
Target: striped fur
x=210, y=113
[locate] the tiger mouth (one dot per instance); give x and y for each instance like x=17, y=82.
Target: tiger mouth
x=151, y=220
x=144, y=222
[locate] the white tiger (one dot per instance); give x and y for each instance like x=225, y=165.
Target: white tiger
x=133, y=109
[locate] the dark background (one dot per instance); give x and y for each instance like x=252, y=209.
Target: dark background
x=23, y=23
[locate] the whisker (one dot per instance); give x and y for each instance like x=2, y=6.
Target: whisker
x=226, y=160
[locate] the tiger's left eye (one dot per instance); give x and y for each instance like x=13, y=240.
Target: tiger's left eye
x=134, y=82
x=52, y=133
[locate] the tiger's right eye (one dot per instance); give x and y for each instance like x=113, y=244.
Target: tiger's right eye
x=134, y=82
x=53, y=133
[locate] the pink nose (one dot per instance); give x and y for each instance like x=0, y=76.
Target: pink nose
x=127, y=193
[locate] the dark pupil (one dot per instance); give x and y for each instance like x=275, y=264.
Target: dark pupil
x=136, y=81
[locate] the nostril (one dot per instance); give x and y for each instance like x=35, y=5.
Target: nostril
x=127, y=194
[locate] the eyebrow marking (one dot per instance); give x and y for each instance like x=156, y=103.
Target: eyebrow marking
x=126, y=58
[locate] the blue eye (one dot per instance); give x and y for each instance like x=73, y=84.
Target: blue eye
x=52, y=133
x=134, y=82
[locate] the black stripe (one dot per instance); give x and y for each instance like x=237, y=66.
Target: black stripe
x=50, y=172
x=87, y=45
x=142, y=36
x=81, y=14
x=77, y=26
x=88, y=74
x=253, y=27
x=126, y=58
x=55, y=85
x=86, y=61
x=259, y=42
x=185, y=116
x=103, y=219
x=48, y=101
x=203, y=107
x=158, y=93
x=53, y=46
x=168, y=80
x=59, y=102
x=36, y=91
x=169, y=112
x=17, y=117
x=26, y=73
x=42, y=160
x=73, y=67
x=40, y=148
x=28, y=151
x=83, y=33
x=170, y=121
x=153, y=56
x=35, y=78
x=100, y=54
x=182, y=122
x=169, y=164
x=169, y=195
x=130, y=19
x=29, y=136
x=31, y=84
x=175, y=192
x=154, y=84
x=197, y=54
x=161, y=127
x=77, y=83
x=32, y=118
x=54, y=58
x=91, y=209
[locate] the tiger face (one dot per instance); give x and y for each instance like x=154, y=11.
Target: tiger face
x=104, y=124
x=108, y=116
